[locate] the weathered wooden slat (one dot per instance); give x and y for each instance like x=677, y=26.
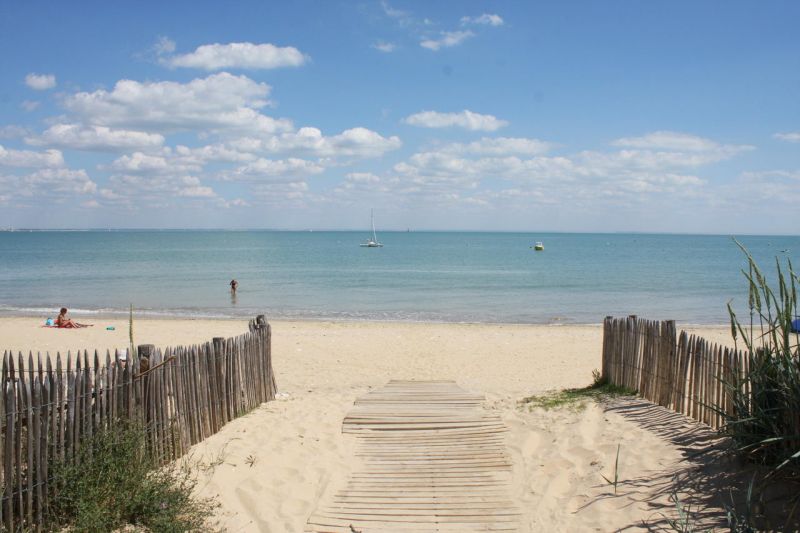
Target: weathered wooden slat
x=9, y=452
x=682, y=372
x=430, y=456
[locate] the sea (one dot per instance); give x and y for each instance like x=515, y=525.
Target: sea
x=462, y=277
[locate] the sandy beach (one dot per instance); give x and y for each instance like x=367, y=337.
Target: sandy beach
x=269, y=468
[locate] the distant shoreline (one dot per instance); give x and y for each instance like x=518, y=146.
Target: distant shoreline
x=156, y=316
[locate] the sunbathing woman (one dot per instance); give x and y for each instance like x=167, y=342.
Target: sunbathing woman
x=63, y=322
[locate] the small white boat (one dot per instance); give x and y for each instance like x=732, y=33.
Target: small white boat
x=373, y=242
x=538, y=246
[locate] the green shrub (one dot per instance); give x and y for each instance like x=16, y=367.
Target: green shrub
x=765, y=425
x=113, y=483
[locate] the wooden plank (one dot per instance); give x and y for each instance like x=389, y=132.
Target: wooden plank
x=18, y=443
x=27, y=383
x=430, y=458
x=9, y=452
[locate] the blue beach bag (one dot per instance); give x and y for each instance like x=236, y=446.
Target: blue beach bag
x=49, y=322
x=796, y=325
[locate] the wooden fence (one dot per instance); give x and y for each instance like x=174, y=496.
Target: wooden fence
x=50, y=406
x=685, y=373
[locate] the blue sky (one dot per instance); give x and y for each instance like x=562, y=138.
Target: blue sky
x=529, y=116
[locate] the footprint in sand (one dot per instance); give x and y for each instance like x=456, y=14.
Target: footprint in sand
x=251, y=485
x=292, y=507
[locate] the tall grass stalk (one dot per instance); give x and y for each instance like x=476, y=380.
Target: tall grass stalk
x=615, y=482
x=765, y=424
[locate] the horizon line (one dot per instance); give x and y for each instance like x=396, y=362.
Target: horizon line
x=407, y=230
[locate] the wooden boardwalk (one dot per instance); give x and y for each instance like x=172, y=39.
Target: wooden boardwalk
x=429, y=458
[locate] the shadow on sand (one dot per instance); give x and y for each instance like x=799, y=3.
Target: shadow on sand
x=706, y=481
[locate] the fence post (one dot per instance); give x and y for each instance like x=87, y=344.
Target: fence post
x=221, y=382
x=219, y=345
x=145, y=352
x=607, y=348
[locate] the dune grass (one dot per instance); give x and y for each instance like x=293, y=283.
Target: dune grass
x=765, y=425
x=576, y=398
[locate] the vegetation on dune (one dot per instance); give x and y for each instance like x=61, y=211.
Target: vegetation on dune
x=576, y=398
x=112, y=483
x=765, y=424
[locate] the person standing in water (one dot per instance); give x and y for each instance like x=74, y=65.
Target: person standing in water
x=234, y=284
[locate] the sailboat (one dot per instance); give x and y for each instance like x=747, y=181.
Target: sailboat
x=373, y=242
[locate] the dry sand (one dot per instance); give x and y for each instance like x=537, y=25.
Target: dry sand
x=269, y=468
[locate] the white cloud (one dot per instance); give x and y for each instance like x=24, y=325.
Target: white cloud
x=384, y=46
x=664, y=149
x=95, y=138
x=108, y=194
x=792, y=137
x=62, y=180
x=30, y=159
x=465, y=119
x=12, y=132
x=354, y=142
x=362, y=177
x=40, y=82
x=445, y=178
x=649, y=159
x=441, y=166
x=392, y=12
x=500, y=146
x=219, y=103
x=770, y=186
x=447, y=39
x=164, y=45
x=180, y=159
x=360, y=142
x=239, y=55
x=197, y=191
x=157, y=188
x=281, y=192
x=29, y=105
x=789, y=176
x=211, y=152
x=268, y=169
x=361, y=183
x=671, y=140
x=486, y=19
x=141, y=162
x=236, y=202
x=472, y=173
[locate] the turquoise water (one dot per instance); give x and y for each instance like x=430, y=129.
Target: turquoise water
x=422, y=276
